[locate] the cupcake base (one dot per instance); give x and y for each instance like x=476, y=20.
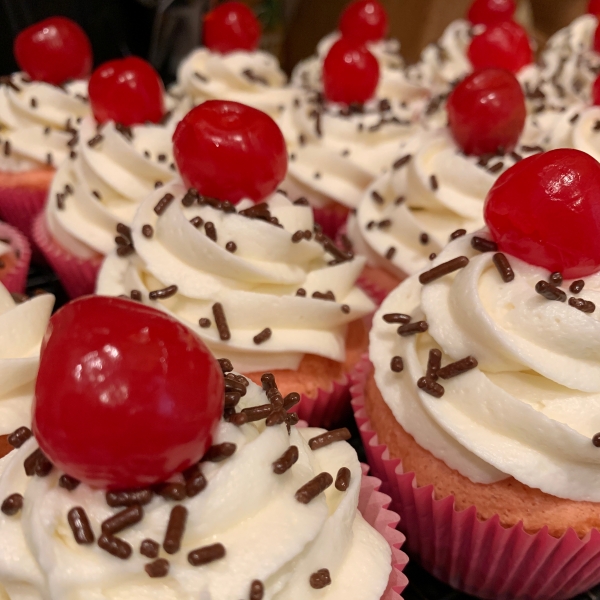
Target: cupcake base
x=14, y=275
x=77, y=275
x=478, y=556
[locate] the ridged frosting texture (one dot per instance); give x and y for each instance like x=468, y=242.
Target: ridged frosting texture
x=267, y=534
x=531, y=407
x=112, y=171
x=34, y=119
x=22, y=327
x=257, y=284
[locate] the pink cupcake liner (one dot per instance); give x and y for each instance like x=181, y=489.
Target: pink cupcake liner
x=327, y=408
x=16, y=279
x=78, y=275
x=481, y=558
x=19, y=206
x=373, y=506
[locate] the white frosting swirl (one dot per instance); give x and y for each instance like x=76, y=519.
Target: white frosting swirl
x=267, y=534
x=22, y=327
x=34, y=118
x=256, y=284
x=531, y=406
x=107, y=181
x=252, y=78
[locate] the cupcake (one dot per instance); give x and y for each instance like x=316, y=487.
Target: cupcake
x=483, y=391
x=39, y=108
x=15, y=255
x=243, y=265
x=231, y=67
x=286, y=504
x=437, y=186
x=116, y=161
x=22, y=327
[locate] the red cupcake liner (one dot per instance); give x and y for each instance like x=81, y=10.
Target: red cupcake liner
x=19, y=206
x=77, y=275
x=15, y=279
x=373, y=505
x=331, y=218
x=481, y=558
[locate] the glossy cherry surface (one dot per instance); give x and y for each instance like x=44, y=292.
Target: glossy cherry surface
x=230, y=151
x=596, y=41
x=594, y=7
x=231, y=26
x=126, y=396
x=486, y=112
x=128, y=91
x=491, y=12
x=350, y=73
x=545, y=211
x=505, y=46
x=364, y=21
x=54, y=50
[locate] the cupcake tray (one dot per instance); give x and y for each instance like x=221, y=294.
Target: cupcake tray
x=422, y=586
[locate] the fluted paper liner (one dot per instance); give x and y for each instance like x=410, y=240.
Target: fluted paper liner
x=15, y=279
x=19, y=206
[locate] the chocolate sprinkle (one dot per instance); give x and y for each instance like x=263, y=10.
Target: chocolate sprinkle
x=263, y=336
x=149, y=548
x=402, y=161
x=163, y=294
x=123, y=519
x=310, y=490
x=413, y=328
x=116, y=546
x=329, y=437
x=390, y=253
x=257, y=590
x=221, y=321
x=219, y=452
x=556, y=279
x=12, y=505
x=163, y=204
x=550, y=292
x=444, y=269
x=18, y=437
x=503, y=267
x=80, y=526
x=211, y=232
x=583, y=305
x=175, y=529
x=204, y=323
x=231, y=247
x=226, y=365
x=377, y=197
x=147, y=231
x=430, y=387
x=95, y=140
x=434, y=362
x=171, y=491
x=596, y=440
x=320, y=579
x=158, y=568
x=577, y=286
x=197, y=222
x=433, y=182
x=68, y=483
x=457, y=368
x=133, y=497
x=397, y=364
x=37, y=464
x=190, y=197
x=482, y=245
x=286, y=460
x=342, y=481
x=195, y=481
x=396, y=318
x=424, y=239
x=458, y=233
x=206, y=555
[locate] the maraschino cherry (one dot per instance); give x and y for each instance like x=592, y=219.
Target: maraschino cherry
x=594, y=7
x=596, y=92
x=486, y=112
x=230, y=151
x=505, y=46
x=545, y=211
x=364, y=21
x=230, y=27
x=128, y=91
x=597, y=36
x=350, y=73
x=133, y=398
x=54, y=50
x=491, y=12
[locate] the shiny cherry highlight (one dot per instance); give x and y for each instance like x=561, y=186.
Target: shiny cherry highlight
x=545, y=211
x=364, y=21
x=54, y=50
x=486, y=112
x=126, y=396
x=491, y=12
x=231, y=26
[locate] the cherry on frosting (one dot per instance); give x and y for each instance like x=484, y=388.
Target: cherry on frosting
x=596, y=41
x=128, y=91
x=54, y=50
x=231, y=26
x=596, y=92
x=545, y=211
x=364, y=21
x=491, y=12
x=486, y=112
x=505, y=45
x=594, y=7
x=350, y=73
x=126, y=396
x=230, y=151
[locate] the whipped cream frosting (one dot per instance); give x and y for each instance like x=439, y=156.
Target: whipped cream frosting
x=267, y=534
x=252, y=78
x=531, y=406
x=432, y=190
x=111, y=170
x=35, y=119
x=254, y=269
x=22, y=327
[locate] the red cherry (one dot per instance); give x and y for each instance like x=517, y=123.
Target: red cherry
x=128, y=91
x=596, y=92
x=597, y=37
x=486, y=112
x=230, y=151
x=350, y=73
x=133, y=398
x=594, y=7
x=231, y=26
x=491, y=12
x=364, y=21
x=545, y=211
x=54, y=50
x=505, y=46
